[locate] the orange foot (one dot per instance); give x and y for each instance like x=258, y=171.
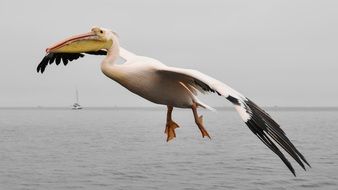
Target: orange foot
x=201, y=127
x=170, y=130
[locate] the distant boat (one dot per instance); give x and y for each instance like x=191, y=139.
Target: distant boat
x=76, y=105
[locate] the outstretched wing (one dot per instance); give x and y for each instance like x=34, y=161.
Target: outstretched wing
x=63, y=57
x=258, y=121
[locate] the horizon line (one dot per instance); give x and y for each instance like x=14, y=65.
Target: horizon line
x=220, y=108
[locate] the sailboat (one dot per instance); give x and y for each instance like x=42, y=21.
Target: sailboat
x=76, y=105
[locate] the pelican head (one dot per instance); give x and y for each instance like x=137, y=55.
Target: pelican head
x=98, y=38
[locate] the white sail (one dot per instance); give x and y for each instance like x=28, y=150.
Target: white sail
x=76, y=105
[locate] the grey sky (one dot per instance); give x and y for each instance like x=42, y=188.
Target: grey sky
x=274, y=52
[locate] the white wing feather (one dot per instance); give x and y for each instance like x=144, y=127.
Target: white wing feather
x=258, y=121
x=194, y=77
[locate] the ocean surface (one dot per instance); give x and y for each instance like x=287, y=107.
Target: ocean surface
x=127, y=149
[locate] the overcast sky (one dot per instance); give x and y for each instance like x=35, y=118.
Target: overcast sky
x=275, y=52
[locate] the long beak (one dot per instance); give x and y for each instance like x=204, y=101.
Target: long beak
x=78, y=44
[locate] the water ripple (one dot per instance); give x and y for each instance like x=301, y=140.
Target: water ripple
x=109, y=149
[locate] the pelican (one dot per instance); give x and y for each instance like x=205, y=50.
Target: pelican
x=170, y=86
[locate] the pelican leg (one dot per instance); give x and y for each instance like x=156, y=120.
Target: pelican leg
x=199, y=121
x=171, y=125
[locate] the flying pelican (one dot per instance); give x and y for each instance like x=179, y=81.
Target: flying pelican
x=170, y=86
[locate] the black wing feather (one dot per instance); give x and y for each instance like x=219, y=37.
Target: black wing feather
x=51, y=60
x=65, y=60
x=63, y=57
x=265, y=128
x=43, y=64
x=57, y=60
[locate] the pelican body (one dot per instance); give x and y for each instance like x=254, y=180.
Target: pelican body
x=170, y=86
x=143, y=79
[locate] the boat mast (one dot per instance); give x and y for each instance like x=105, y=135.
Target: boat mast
x=77, y=96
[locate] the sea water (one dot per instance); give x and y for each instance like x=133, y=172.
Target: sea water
x=127, y=149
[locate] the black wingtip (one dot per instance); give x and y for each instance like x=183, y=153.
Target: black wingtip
x=304, y=160
x=43, y=64
x=266, y=129
x=57, y=58
x=259, y=132
x=64, y=57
